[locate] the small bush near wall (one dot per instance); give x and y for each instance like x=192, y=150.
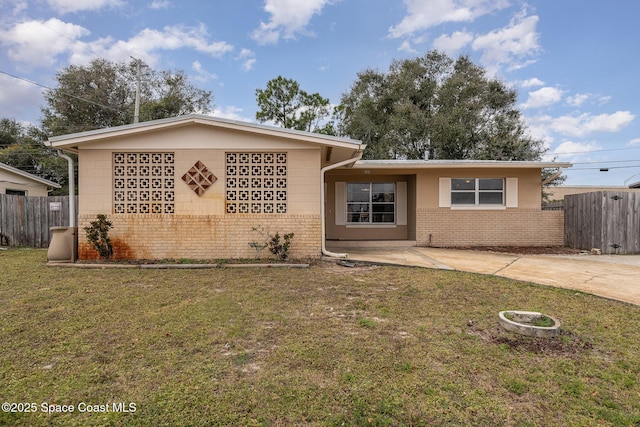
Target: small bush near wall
x=280, y=248
x=98, y=236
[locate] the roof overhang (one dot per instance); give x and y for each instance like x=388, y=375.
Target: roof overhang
x=448, y=164
x=73, y=142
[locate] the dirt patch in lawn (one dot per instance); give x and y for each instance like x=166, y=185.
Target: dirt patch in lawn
x=565, y=344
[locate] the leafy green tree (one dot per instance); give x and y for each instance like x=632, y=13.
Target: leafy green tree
x=284, y=103
x=170, y=94
x=10, y=131
x=438, y=108
x=102, y=94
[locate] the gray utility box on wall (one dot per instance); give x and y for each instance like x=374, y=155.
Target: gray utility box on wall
x=64, y=244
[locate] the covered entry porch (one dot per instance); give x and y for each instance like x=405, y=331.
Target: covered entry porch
x=370, y=207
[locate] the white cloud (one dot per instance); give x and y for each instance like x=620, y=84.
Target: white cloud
x=609, y=122
x=571, y=148
x=581, y=98
x=232, y=113
x=602, y=99
x=248, y=58
x=454, y=42
x=66, y=6
x=424, y=14
x=202, y=75
x=38, y=43
x=288, y=18
x=178, y=37
x=18, y=7
x=579, y=125
x=543, y=97
x=514, y=44
x=406, y=46
x=578, y=99
x=635, y=141
x=18, y=97
x=160, y=4
x=532, y=82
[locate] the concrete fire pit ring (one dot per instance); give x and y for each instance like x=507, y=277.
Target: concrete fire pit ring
x=525, y=323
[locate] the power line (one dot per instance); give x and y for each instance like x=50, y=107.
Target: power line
x=595, y=151
x=607, y=168
x=63, y=93
x=604, y=161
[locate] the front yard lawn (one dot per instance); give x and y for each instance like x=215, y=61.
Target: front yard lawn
x=325, y=346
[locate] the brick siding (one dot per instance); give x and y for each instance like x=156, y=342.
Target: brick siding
x=511, y=227
x=202, y=236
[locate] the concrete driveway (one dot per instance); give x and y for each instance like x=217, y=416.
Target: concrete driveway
x=610, y=276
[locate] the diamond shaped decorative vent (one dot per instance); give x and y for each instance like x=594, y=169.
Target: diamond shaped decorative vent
x=199, y=178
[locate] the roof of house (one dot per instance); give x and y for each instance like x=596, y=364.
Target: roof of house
x=441, y=164
x=72, y=141
x=29, y=176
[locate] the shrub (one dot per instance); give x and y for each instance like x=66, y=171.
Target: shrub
x=259, y=246
x=98, y=236
x=280, y=248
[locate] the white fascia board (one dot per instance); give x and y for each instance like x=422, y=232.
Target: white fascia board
x=448, y=164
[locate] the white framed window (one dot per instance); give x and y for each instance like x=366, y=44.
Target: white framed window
x=371, y=202
x=477, y=191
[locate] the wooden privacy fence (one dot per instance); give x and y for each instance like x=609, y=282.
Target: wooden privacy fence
x=605, y=220
x=25, y=220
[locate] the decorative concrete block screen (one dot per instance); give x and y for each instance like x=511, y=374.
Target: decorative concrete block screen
x=256, y=183
x=143, y=183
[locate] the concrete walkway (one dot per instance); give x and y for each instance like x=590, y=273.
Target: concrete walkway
x=610, y=276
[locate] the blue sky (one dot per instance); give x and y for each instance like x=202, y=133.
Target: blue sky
x=574, y=63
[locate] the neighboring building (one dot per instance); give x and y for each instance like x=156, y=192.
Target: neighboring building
x=17, y=182
x=558, y=193
x=197, y=187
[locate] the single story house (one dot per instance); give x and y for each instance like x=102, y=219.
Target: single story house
x=198, y=187
x=16, y=182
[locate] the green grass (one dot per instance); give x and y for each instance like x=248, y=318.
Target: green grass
x=324, y=346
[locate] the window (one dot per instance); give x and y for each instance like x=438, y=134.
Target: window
x=477, y=191
x=10, y=192
x=371, y=203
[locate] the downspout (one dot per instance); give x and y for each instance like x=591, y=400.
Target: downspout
x=552, y=177
x=72, y=184
x=322, y=202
